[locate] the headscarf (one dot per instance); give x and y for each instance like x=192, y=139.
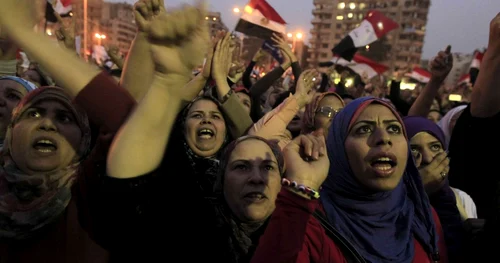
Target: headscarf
x=29, y=86
x=381, y=225
x=417, y=124
x=242, y=237
x=308, y=125
x=30, y=202
x=444, y=123
x=204, y=168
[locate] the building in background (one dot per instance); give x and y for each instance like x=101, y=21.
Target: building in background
x=215, y=23
x=94, y=14
x=118, y=25
x=401, y=48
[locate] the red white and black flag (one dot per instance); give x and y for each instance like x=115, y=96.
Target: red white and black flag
x=475, y=65
x=362, y=66
x=372, y=28
x=62, y=7
x=259, y=19
x=419, y=74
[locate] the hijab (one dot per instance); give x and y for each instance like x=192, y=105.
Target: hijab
x=29, y=86
x=243, y=237
x=310, y=111
x=444, y=123
x=30, y=202
x=381, y=225
x=417, y=124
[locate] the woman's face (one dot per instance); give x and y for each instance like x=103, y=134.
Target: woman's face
x=205, y=129
x=424, y=148
x=434, y=116
x=245, y=100
x=252, y=181
x=11, y=93
x=377, y=148
x=46, y=138
x=328, y=107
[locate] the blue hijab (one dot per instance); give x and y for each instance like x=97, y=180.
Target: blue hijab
x=383, y=225
x=29, y=86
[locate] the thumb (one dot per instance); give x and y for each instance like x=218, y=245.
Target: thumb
x=320, y=134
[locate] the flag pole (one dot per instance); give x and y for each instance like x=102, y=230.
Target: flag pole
x=85, y=35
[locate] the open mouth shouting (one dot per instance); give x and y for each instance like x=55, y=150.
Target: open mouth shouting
x=206, y=133
x=45, y=145
x=384, y=164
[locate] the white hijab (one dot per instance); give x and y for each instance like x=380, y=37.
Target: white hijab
x=444, y=123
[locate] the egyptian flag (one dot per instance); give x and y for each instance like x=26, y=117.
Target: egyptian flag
x=475, y=65
x=373, y=27
x=419, y=74
x=362, y=66
x=259, y=19
x=62, y=7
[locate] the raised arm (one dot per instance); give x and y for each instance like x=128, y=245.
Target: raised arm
x=139, y=146
x=485, y=101
x=42, y=49
x=440, y=68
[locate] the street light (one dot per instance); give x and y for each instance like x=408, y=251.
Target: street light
x=298, y=35
x=236, y=11
x=289, y=35
x=100, y=37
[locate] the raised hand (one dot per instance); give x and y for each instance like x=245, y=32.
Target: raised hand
x=304, y=92
x=283, y=45
x=66, y=33
x=494, y=40
x=306, y=159
x=207, y=68
x=442, y=64
x=222, y=59
x=236, y=71
x=179, y=39
x=16, y=14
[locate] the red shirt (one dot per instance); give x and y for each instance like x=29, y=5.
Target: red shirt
x=295, y=235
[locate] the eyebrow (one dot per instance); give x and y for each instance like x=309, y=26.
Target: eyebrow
x=13, y=90
x=199, y=111
x=375, y=123
x=248, y=161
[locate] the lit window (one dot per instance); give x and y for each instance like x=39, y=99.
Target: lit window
x=214, y=19
x=341, y=5
x=352, y=6
x=206, y=18
x=360, y=16
x=340, y=17
x=362, y=6
x=350, y=15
